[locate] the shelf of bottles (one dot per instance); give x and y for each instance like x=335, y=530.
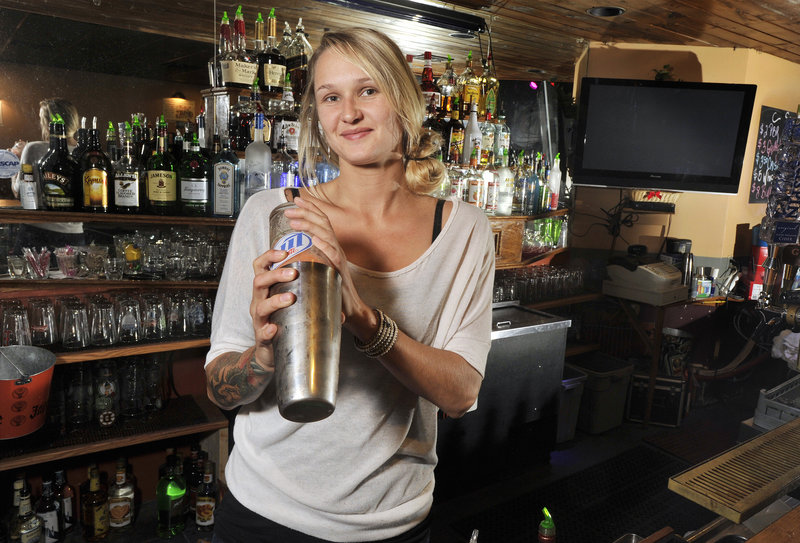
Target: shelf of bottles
x=185, y=415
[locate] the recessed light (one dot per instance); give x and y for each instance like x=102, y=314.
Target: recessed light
x=605, y=11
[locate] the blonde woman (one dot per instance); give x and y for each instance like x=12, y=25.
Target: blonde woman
x=414, y=268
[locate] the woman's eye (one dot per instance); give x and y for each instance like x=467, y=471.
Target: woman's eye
x=330, y=99
x=369, y=91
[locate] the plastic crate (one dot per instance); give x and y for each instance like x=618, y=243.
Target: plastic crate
x=569, y=403
x=778, y=405
x=604, y=393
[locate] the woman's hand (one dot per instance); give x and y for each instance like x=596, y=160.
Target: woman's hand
x=309, y=218
x=262, y=305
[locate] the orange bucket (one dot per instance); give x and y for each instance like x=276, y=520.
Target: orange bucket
x=25, y=376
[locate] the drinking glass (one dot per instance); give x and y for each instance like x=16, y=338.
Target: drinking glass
x=175, y=267
x=154, y=388
x=79, y=399
x=177, y=321
x=16, y=267
x=103, y=323
x=16, y=329
x=44, y=330
x=197, y=315
x=130, y=319
x=95, y=258
x=114, y=268
x=67, y=260
x=132, y=387
x=154, y=317
x=74, y=325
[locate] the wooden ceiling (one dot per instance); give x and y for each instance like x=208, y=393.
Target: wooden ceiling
x=530, y=39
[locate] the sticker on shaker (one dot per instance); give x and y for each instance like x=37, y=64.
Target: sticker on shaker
x=293, y=243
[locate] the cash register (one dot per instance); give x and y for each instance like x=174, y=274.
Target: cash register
x=638, y=278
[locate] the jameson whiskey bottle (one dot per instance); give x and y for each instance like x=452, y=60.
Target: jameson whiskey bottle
x=162, y=177
x=194, y=182
x=226, y=177
x=60, y=175
x=271, y=63
x=48, y=512
x=129, y=178
x=206, y=500
x=96, y=174
x=120, y=500
x=94, y=509
x=170, y=499
x=65, y=496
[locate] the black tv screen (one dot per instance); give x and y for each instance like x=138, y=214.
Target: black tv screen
x=662, y=135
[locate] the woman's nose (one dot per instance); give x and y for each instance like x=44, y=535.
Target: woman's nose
x=350, y=110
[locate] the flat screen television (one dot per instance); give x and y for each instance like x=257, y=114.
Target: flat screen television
x=662, y=135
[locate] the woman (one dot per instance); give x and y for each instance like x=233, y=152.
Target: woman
x=366, y=472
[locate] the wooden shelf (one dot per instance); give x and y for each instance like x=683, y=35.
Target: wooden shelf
x=531, y=260
x=117, y=351
x=546, y=214
x=569, y=300
x=8, y=284
x=182, y=416
x=28, y=216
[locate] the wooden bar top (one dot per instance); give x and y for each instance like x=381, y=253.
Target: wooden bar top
x=784, y=530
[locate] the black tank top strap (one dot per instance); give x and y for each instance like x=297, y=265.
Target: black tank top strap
x=437, y=219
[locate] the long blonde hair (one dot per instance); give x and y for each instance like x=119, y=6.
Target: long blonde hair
x=48, y=108
x=382, y=60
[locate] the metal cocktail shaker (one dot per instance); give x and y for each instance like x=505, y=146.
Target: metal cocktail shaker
x=306, y=346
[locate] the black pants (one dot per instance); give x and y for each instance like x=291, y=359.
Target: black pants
x=234, y=523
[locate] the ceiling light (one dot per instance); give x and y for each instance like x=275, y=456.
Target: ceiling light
x=605, y=11
x=536, y=71
x=463, y=35
x=420, y=13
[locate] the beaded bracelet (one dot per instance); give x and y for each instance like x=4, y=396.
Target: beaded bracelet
x=383, y=340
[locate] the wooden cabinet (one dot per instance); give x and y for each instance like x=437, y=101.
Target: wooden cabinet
x=186, y=417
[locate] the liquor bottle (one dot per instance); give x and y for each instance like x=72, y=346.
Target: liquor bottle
x=454, y=135
x=502, y=137
x=252, y=107
x=206, y=500
x=11, y=517
x=97, y=174
x=224, y=45
x=170, y=494
x=286, y=41
x=505, y=180
x=258, y=161
x=487, y=142
x=447, y=84
x=271, y=63
x=194, y=480
x=111, y=143
x=60, y=175
x=106, y=397
x=162, y=177
x=490, y=191
x=483, y=82
x=492, y=86
x=297, y=59
x=226, y=175
x=138, y=137
x=432, y=119
x=82, y=139
x=554, y=183
x=121, y=500
x=149, y=142
x=29, y=527
x=194, y=182
x=240, y=124
x=472, y=135
x=235, y=69
x=47, y=510
x=28, y=189
x=473, y=180
x=469, y=83
x=284, y=166
x=129, y=178
x=65, y=496
x=201, y=134
x=286, y=122
x=430, y=90
x=94, y=509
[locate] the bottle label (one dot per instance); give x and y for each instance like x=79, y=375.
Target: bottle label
x=162, y=186
x=126, y=189
x=471, y=93
x=95, y=188
x=274, y=75
x=291, y=134
x=456, y=144
x=491, y=101
x=487, y=145
x=57, y=191
x=51, y=533
x=238, y=72
x=120, y=511
x=67, y=512
x=31, y=536
x=27, y=192
x=436, y=96
x=474, y=197
x=224, y=179
x=204, y=511
x=98, y=518
x=293, y=243
x=194, y=190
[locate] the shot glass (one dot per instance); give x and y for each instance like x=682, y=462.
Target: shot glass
x=16, y=267
x=114, y=268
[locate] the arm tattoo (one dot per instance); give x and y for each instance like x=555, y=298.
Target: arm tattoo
x=236, y=379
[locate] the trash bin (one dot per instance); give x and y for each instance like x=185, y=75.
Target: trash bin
x=569, y=402
x=604, y=392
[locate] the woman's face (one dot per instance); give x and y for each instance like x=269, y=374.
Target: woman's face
x=358, y=121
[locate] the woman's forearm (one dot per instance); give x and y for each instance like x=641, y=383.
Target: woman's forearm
x=234, y=379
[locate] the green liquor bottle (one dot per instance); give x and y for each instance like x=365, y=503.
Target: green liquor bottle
x=162, y=177
x=60, y=174
x=170, y=499
x=194, y=195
